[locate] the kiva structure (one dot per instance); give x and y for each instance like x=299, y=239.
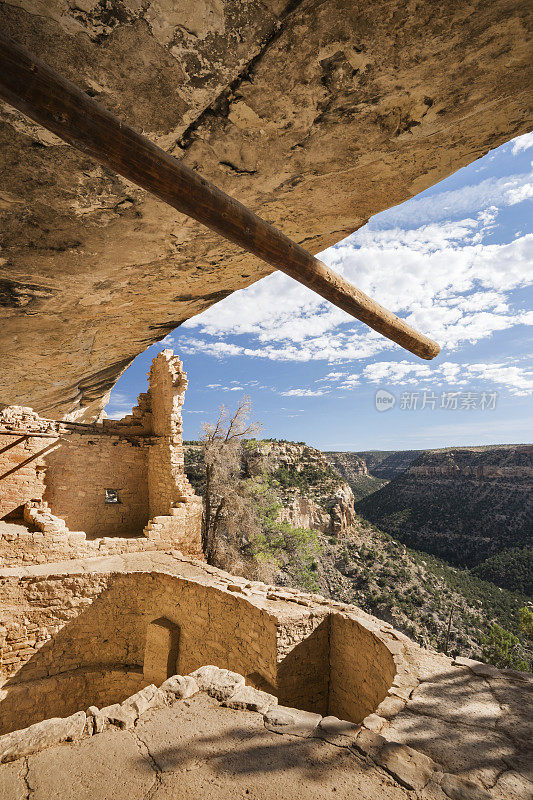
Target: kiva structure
x=111, y=486
x=341, y=701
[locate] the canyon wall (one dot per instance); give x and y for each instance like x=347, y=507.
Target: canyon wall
x=463, y=504
x=368, y=471
x=312, y=495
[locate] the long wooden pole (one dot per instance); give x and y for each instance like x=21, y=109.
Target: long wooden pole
x=45, y=96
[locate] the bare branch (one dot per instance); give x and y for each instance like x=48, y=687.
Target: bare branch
x=224, y=497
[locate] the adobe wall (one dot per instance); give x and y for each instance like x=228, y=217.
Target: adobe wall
x=357, y=658
x=21, y=473
x=168, y=484
x=74, y=637
x=68, y=466
x=71, y=471
x=57, y=668
x=79, y=471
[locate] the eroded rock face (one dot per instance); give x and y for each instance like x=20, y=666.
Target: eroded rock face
x=316, y=115
x=312, y=495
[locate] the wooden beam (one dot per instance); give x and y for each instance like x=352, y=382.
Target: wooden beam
x=45, y=96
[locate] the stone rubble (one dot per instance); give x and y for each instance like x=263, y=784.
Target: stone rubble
x=292, y=721
x=219, y=683
x=181, y=687
x=246, y=698
x=47, y=733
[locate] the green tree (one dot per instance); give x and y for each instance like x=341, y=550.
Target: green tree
x=526, y=621
x=503, y=649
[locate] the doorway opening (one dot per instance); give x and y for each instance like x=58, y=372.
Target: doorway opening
x=161, y=650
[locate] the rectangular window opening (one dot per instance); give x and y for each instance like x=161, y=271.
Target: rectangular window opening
x=111, y=496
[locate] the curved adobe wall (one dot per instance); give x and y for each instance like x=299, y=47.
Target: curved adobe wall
x=94, y=639
x=109, y=616
x=362, y=669
x=65, y=693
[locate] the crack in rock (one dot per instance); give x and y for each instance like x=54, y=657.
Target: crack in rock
x=148, y=756
x=221, y=102
x=26, y=780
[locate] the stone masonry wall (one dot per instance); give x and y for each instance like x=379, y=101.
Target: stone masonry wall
x=71, y=472
x=77, y=637
x=79, y=471
x=21, y=478
x=64, y=693
x=168, y=484
x=63, y=634
x=303, y=663
x=357, y=658
x=69, y=466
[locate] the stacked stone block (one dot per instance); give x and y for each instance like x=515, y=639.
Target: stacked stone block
x=69, y=466
x=80, y=633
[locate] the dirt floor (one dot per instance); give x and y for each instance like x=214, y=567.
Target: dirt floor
x=197, y=750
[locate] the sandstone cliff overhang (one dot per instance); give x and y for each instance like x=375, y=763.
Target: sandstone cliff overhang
x=316, y=116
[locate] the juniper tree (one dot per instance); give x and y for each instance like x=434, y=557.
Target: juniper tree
x=227, y=502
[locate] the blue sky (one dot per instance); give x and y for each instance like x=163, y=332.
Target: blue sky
x=456, y=262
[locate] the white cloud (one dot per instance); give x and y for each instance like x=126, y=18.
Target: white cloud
x=443, y=282
x=520, y=194
x=331, y=376
x=397, y=372
x=441, y=205
x=350, y=381
x=332, y=347
x=119, y=405
x=522, y=143
x=219, y=387
x=445, y=277
x=518, y=380
x=217, y=349
x=303, y=393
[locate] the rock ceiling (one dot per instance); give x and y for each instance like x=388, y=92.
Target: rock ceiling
x=316, y=115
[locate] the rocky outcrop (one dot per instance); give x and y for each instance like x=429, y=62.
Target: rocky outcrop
x=316, y=115
x=354, y=469
x=312, y=494
x=463, y=504
x=300, y=512
x=349, y=465
x=388, y=464
x=370, y=470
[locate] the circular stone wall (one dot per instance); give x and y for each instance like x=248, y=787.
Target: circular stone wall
x=96, y=643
